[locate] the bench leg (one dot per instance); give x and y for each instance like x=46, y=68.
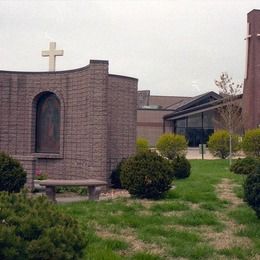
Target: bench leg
x=94, y=192
x=51, y=193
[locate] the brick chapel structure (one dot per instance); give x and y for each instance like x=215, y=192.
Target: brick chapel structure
x=69, y=124
x=251, y=93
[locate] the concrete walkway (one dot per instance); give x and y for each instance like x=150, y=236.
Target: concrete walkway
x=194, y=153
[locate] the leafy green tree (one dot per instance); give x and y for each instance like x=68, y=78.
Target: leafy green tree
x=251, y=142
x=219, y=145
x=142, y=145
x=172, y=145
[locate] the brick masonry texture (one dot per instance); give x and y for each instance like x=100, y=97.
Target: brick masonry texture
x=98, y=120
x=251, y=93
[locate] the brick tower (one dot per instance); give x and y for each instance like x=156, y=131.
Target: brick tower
x=251, y=95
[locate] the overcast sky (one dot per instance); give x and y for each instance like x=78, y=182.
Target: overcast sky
x=172, y=47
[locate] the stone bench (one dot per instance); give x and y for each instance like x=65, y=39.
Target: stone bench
x=94, y=187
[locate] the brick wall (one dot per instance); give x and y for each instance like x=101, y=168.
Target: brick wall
x=87, y=98
x=122, y=100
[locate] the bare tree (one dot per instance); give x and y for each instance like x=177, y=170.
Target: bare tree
x=229, y=113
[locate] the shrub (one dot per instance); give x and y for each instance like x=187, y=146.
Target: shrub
x=171, y=145
x=244, y=166
x=218, y=144
x=251, y=142
x=142, y=145
x=12, y=175
x=116, y=175
x=146, y=175
x=35, y=229
x=181, y=167
x=252, y=191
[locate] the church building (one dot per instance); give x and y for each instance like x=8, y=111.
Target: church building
x=194, y=117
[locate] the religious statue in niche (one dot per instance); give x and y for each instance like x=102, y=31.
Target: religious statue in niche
x=48, y=124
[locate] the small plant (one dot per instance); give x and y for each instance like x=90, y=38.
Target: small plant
x=41, y=175
x=146, y=175
x=252, y=191
x=181, y=167
x=244, y=166
x=116, y=176
x=218, y=144
x=171, y=145
x=251, y=142
x=12, y=174
x=33, y=228
x=142, y=145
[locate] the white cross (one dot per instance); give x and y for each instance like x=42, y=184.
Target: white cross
x=52, y=53
x=247, y=48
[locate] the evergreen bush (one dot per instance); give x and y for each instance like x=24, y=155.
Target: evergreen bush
x=142, y=145
x=251, y=142
x=181, y=167
x=252, y=191
x=146, y=175
x=116, y=176
x=172, y=145
x=218, y=144
x=35, y=229
x=244, y=166
x=12, y=174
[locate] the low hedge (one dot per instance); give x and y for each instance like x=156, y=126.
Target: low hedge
x=35, y=229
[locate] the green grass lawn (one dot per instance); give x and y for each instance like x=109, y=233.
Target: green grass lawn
x=204, y=217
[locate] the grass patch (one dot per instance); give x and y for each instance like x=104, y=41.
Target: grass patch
x=197, y=218
x=173, y=227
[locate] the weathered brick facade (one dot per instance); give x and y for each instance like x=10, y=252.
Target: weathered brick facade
x=98, y=120
x=251, y=93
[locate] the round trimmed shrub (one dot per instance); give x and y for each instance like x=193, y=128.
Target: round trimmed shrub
x=244, y=166
x=252, y=191
x=181, y=167
x=116, y=176
x=172, y=145
x=146, y=175
x=12, y=174
x=218, y=144
x=251, y=142
x=142, y=145
x=35, y=229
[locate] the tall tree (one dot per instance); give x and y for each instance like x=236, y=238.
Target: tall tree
x=229, y=113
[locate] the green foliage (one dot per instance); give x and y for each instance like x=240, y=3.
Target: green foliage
x=74, y=189
x=142, y=145
x=181, y=167
x=146, y=175
x=251, y=143
x=115, y=176
x=35, y=229
x=12, y=175
x=244, y=166
x=218, y=144
x=252, y=191
x=171, y=145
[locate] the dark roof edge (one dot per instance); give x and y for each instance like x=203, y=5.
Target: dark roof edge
x=206, y=105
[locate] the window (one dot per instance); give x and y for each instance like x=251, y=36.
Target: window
x=48, y=111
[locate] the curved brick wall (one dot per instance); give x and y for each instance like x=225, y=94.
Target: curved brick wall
x=98, y=120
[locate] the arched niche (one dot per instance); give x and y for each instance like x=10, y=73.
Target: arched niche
x=48, y=124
